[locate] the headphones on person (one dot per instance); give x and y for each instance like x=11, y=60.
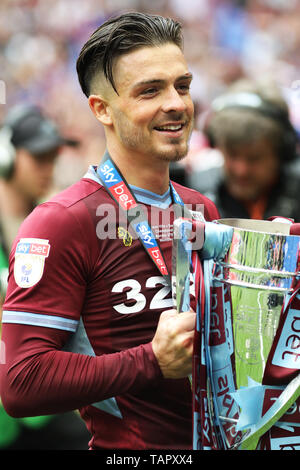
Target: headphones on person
x=8, y=150
x=249, y=100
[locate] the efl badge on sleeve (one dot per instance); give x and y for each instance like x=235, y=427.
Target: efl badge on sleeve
x=30, y=257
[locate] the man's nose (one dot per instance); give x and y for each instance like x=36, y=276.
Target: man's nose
x=240, y=167
x=173, y=101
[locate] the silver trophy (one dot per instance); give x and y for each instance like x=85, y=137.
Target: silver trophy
x=250, y=270
x=250, y=288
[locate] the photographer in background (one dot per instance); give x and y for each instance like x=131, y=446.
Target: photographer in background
x=250, y=127
x=29, y=146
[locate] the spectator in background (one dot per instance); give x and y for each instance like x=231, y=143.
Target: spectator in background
x=250, y=128
x=29, y=146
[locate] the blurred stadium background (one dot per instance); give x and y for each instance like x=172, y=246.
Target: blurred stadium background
x=224, y=40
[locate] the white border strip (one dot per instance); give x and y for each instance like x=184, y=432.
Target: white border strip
x=35, y=319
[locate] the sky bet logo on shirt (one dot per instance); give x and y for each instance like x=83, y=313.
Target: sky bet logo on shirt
x=116, y=186
x=33, y=248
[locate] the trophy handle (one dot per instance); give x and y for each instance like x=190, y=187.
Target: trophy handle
x=181, y=262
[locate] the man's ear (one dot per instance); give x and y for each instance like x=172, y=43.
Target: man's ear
x=101, y=109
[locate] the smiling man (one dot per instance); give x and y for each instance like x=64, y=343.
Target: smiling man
x=90, y=323
x=147, y=112
x=154, y=115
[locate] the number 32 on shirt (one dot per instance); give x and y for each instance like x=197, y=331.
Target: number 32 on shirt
x=162, y=299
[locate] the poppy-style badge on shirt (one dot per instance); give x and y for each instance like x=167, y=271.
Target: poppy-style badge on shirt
x=30, y=257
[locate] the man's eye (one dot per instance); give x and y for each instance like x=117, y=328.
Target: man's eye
x=184, y=88
x=149, y=91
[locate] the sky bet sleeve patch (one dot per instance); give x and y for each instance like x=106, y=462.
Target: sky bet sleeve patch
x=30, y=257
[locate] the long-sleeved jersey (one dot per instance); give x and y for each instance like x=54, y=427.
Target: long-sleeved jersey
x=82, y=307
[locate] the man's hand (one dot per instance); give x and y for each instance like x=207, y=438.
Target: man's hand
x=173, y=343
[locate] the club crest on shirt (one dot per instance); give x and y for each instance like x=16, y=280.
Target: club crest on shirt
x=125, y=236
x=30, y=257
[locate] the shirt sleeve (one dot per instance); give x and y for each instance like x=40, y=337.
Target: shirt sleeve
x=39, y=378
x=48, y=269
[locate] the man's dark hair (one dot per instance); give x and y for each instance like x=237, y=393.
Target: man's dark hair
x=120, y=35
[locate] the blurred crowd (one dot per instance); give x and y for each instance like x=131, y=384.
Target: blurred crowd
x=224, y=41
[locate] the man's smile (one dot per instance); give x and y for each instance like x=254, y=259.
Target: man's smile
x=171, y=129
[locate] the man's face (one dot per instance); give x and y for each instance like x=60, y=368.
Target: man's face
x=33, y=175
x=152, y=114
x=250, y=169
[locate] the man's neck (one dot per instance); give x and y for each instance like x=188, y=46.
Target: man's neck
x=140, y=172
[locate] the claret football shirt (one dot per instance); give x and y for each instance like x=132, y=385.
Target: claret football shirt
x=82, y=307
